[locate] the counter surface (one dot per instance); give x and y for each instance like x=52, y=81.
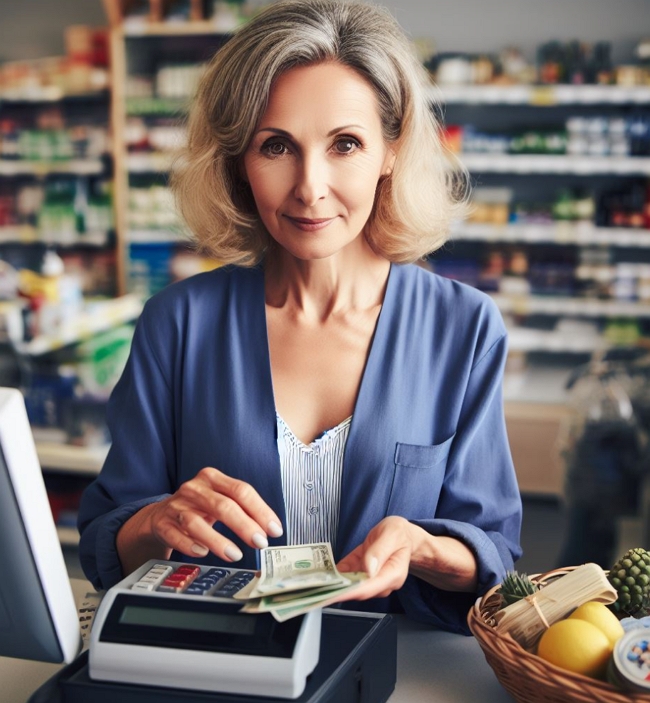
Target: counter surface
x=431, y=666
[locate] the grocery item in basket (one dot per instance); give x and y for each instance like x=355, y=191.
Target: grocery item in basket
x=630, y=666
x=578, y=646
x=631, y=623
x=516, y=586
x=602, y=617
x=526, y=620
x=630, y=576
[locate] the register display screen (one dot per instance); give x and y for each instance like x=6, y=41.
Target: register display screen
x=187, y=620
x=197, y=624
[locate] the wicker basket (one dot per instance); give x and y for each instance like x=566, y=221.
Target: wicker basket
x=527, y=677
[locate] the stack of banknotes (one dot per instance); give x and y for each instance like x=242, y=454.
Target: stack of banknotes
x=296, y=579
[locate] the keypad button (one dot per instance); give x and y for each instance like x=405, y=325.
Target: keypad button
x=217, y=573
x=195, y=590
x=161, y=567
x=144, y=586
x=155, y=576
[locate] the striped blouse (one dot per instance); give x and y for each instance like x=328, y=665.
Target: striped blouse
x=311, y=482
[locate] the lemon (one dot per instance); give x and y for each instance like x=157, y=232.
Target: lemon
x=602, y=617
x=576, y=645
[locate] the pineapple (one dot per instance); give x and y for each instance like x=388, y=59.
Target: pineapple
x=515, y=587
x=630, y=576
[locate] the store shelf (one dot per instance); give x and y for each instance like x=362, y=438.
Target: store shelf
x=581, y=233
x=163, y=29
x=25, y=234
x=567, y=306
x=542, y=96
x=68, y=536
x=149, y=163
x=161, y=107
x=91, y=239
x=543, y=163
x=50, y=94
x=18, y=234
x=521, y=339
x=544, y=385
x=97, y=317
x=79, y=167
x=155, y=236
x=67, y=458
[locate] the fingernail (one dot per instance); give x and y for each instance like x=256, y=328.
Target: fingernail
x=372, y=567
x=274, y=529
x=260, y=541
x=233, y=553
x=199, y=550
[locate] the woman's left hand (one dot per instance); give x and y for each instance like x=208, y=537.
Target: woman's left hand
x=385, y=555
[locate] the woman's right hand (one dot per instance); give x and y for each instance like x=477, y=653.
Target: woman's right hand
x=184, y=521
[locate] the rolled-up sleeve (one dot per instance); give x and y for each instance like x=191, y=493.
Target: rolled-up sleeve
x=139, y=468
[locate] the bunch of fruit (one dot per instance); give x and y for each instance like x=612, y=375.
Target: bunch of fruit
x=584, y=641
x=630, y=576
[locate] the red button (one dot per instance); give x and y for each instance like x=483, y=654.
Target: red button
x=175, y=581
x=176, y=577
x=191, y=570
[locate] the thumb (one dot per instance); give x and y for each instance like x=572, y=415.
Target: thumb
x=371, y=564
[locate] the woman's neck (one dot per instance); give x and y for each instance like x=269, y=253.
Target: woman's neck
x=316, y=289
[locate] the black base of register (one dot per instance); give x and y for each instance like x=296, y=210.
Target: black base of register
x=358, y=662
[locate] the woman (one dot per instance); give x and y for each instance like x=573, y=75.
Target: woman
x=316, y=388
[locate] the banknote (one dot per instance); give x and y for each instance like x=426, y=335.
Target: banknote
x=294, y=568
x=296, y=579
x=288, y=605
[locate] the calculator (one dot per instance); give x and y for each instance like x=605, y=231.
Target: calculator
x=189, y=579
x=177, y=625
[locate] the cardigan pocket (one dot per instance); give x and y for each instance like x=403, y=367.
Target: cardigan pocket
x=421, y=456
x=418, y=478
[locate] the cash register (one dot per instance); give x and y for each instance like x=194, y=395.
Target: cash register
x=152, y=641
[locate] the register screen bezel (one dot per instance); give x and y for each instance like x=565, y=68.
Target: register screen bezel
x=267, y=638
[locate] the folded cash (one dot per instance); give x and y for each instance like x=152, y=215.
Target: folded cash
x=294, y=568
x=285, y=606
x=295, y=579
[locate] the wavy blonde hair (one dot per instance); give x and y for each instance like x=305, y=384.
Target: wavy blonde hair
x=413, y=206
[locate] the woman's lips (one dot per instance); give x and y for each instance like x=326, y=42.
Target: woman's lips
x=308, y=225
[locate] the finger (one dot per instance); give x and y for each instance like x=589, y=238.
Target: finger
x=220, y=508
x=383, y=544
x=191, y=535
x=247, y=497
x=390, y=577
x=352, y=561
x=201, y=528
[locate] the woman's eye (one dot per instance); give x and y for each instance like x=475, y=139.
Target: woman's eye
x=274, y=148
x=346, y=145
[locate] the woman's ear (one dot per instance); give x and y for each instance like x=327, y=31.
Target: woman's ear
x=389, y=163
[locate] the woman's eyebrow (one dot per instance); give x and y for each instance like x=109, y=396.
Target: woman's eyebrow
x=332, y=132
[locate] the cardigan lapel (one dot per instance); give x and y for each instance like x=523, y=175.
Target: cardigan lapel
x=367, y=478
x=260, y=404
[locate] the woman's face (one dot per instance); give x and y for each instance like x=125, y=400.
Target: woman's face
x=315, y=159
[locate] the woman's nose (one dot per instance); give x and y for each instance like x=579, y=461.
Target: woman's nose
x=311, y=180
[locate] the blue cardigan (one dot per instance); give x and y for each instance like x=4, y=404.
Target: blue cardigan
x=427, y=441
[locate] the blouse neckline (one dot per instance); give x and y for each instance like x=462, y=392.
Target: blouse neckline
x=322, y=439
